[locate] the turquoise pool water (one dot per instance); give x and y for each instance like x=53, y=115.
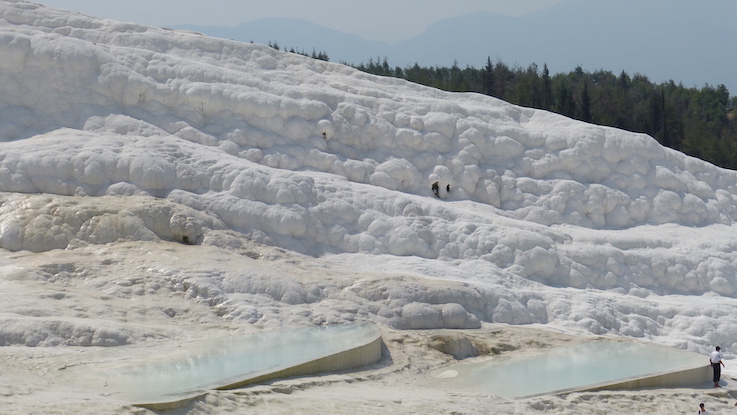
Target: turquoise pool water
x=196, y=367
x=569, y=367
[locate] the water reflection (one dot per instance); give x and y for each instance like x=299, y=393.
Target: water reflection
x=218, y=362
x=571, y=366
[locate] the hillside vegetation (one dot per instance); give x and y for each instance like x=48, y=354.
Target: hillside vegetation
x=697, y=121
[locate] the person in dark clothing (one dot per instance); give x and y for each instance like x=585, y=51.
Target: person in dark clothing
x=715, y=359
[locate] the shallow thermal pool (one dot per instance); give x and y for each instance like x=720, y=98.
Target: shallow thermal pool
x=190, y=369
x=569, y=367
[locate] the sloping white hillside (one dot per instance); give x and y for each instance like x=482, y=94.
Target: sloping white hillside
x=157, y=181
x=318, y=158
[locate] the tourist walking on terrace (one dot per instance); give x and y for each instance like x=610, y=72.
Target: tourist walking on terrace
x=702, y=410
x=716, y=364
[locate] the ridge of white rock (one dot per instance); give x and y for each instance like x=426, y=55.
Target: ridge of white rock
x=115, y=132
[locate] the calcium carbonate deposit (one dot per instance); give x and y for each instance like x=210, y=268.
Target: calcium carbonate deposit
x=160, y=186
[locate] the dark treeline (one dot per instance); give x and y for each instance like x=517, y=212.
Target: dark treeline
x=698, y=121
x=321, y=55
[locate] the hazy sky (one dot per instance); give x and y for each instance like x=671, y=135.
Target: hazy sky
x=386, y=20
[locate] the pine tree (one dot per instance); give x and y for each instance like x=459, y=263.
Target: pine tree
x=488, y=87
x=546, y=101
x=586, y=103
x=565, y=104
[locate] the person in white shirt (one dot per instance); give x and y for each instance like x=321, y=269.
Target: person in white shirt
x=702, y=410
x=715, y=359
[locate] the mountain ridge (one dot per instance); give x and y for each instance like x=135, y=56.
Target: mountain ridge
x=646, y=37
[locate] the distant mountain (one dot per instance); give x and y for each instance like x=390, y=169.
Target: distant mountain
x=683, y=40
x=300, y=35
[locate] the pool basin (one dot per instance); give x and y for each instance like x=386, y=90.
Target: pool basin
x=585, y=366
x=169, y=380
